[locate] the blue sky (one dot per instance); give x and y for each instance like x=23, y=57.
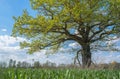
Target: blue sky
x=10, y=8
x=9, y=47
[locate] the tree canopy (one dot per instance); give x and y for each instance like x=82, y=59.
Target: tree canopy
x=86, y=22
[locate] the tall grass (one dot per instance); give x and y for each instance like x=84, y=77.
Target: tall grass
x=58, y=74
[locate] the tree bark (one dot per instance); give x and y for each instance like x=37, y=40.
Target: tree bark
x=86, y=56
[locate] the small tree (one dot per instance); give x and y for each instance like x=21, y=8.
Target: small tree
x=87, y=22
x=25, y=64
x=3, y=64
x=14, y=63
x=11, y=63
x=37, y=64
x=19, y=64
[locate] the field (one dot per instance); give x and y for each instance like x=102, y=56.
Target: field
x=20, y=73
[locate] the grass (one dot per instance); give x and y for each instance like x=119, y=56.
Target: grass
x=21, y=73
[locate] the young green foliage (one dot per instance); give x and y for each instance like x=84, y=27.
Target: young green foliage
x=92, y=21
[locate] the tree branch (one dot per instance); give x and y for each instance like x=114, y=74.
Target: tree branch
x=101, y=28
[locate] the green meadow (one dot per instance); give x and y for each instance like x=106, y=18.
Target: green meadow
x=30, y=73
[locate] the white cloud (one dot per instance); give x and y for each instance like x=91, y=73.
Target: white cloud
x=115, y=40
x=3, y=30
x=9, y=49
x=74, y=45
x=106, y=57
x=6, y=40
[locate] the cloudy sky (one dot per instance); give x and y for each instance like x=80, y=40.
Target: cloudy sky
x=9, y=46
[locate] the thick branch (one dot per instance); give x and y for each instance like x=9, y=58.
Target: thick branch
x=57, y=42
x=74, y=37
x=101, y=28
x=102, y=35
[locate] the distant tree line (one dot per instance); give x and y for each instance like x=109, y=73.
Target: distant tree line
x=36, y=64
x=24, y=64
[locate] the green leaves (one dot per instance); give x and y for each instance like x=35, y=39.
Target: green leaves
x=94, y=20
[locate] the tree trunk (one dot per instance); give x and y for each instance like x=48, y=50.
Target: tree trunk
x=86, y=56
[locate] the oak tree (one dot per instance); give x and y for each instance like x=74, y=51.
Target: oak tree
x=87, y=22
